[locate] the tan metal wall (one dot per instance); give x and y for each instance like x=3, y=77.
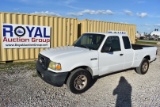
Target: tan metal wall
x=63, y=32
x=101, y=26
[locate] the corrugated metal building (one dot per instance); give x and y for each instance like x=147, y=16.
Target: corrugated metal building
x=64, y=31
x=101, y=26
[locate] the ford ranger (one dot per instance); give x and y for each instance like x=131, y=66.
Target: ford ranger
x=92, y=55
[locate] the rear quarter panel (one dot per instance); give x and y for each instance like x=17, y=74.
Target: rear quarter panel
x=140, y=54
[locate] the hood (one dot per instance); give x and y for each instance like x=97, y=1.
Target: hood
x=61, y=52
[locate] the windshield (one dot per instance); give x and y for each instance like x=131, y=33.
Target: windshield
x=90, y=41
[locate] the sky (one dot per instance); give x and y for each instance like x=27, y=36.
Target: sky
x=145, y=14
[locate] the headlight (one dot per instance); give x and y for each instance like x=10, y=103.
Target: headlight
x=55, y=66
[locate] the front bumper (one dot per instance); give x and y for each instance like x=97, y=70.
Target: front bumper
x=56, y=79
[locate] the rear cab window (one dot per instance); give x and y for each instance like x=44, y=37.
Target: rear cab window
x=126, y=42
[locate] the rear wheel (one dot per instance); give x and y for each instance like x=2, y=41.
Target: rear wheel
x=79, y=81
x=143, y=68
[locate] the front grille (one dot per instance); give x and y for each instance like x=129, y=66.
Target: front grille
x=43, y=61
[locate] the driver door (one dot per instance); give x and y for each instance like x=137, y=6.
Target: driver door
x=112, y=60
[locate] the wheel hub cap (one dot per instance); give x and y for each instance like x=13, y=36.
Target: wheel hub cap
x=80, y=82
x=145, y=67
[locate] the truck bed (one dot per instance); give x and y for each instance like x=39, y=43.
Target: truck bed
x=137, y=47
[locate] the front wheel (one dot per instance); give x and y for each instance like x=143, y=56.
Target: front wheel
x=143, y=68
x=79, y=81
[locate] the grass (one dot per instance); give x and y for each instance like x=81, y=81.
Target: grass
x=25, y=65
x=146, y=42
x=34, y=75
x=8, y=67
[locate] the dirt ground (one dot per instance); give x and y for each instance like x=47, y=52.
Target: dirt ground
x=21, y=87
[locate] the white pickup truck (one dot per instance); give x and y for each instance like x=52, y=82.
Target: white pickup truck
x=92, y=55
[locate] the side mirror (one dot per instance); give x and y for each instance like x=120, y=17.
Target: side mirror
x=106, y=49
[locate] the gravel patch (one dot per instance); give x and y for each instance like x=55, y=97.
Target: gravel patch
x=20, y=87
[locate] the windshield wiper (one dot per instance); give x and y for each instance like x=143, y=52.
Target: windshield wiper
x=85, y=46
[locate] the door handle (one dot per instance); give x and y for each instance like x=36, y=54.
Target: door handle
x=121, y=54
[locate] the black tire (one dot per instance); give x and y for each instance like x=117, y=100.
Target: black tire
x=79, y=81
x=144, y=66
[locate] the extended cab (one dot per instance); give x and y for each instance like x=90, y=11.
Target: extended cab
x=92, y=55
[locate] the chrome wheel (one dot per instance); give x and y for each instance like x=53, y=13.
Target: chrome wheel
x=145, y=67
x=80, y=82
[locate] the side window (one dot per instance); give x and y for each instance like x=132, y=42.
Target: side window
x=126, y=42
x=113, y=42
